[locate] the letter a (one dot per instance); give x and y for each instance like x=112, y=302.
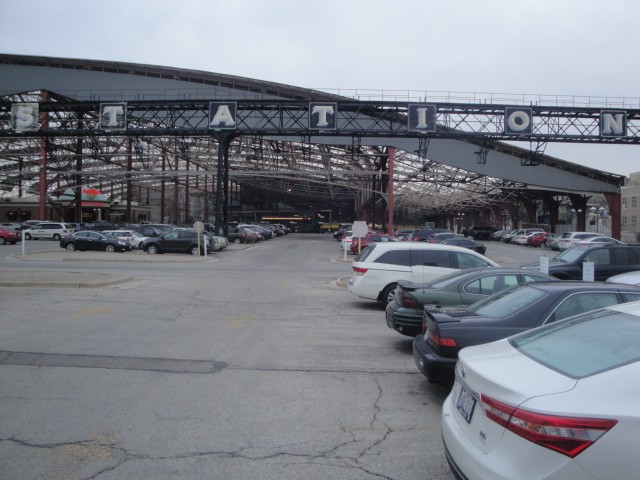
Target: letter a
x=223, y=116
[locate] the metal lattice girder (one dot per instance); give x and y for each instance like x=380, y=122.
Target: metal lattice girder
x=171, y=140
x=179, y=118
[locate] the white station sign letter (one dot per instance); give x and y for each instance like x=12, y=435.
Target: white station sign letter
x=613, y=123
x=518, y=121
x=422, y=118
x=25, y=117
x=322, y=116
x=113, y=116
x=222, y=115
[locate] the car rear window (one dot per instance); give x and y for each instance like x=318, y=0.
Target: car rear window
x=507, y=302
x=586, y=345
x=362, y=256
x=395, y=257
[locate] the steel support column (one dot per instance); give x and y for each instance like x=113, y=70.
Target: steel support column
x=392, y=152
x=77, y=179
x=222, y=183
x=614, y=202
x=42, y=177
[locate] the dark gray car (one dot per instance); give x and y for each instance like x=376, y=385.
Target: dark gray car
x=608, y=260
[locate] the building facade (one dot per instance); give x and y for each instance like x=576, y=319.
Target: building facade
x=630, y=196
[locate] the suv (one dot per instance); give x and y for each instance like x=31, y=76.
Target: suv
x=179, y=240
x=378, y=268
x=608, y=260
x=482, y=233
x=49, y=230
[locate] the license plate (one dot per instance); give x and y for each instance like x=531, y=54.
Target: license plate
x=465, y=404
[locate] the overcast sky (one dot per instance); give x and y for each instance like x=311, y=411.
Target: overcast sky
x=546, y=47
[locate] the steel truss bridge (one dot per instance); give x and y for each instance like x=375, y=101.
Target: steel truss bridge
x=451, y=158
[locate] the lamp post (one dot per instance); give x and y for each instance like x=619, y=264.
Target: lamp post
x=579, y=214
x=460, y=218
x=594, y=215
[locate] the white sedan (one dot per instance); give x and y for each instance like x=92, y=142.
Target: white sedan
x=558, y=402
x=628, y=278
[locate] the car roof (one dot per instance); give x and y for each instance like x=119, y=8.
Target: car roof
x=381, y=247
x=578, y=285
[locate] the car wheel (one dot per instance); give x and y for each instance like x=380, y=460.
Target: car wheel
x=27, y=236
x=57, y=237
x=237, y=241
x=3, y=241
x=195, y=251
x=70, y=247
x=152, y=249
x=543, y=245
x=387, y=294
x=109, y=248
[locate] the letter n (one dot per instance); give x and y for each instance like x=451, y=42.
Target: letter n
x=613, y=123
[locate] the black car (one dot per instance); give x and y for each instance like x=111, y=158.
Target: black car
x=99, y=226
x=608, y=260
x=241, y=235
x=482, y=232
x=179, y=240
x=503, y=314
x=425, y=235
x=466, y=243
x=340, y=230
x=145, y=230
x=89, y=240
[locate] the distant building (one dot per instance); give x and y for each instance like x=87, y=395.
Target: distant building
x=630, y=194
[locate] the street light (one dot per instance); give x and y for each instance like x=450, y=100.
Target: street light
x=460, y=218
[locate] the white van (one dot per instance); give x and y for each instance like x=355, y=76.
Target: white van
x=377, y=269
x=48, y=230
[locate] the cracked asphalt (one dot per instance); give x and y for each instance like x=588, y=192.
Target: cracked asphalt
x=255, y=365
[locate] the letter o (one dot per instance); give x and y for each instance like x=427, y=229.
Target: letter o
x=518, y=121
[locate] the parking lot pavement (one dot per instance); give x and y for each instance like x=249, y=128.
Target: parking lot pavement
x=93, y=280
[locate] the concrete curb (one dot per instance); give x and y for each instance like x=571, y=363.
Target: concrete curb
x=65, y=280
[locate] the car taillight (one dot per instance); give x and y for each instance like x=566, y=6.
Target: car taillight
x=566, y=435
x=360, y=270
x=408, y=301
x=437, y=340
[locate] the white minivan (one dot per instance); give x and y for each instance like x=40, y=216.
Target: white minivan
x=377, y=269
x=48, y=230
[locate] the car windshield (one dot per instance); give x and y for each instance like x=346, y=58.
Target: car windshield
x=569, y=255
x=507, y=302
x=586, y=345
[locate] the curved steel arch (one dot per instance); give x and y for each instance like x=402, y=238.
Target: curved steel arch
x=102, y=81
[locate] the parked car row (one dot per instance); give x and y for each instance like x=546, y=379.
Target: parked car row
x=134, y=235
x=160, y=238
x=540, y=366
x=355, y=245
